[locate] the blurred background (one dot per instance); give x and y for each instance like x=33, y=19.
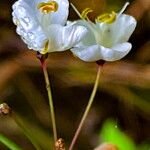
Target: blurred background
x=121, y=110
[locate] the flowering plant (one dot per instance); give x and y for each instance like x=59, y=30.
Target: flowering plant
x=42, y=24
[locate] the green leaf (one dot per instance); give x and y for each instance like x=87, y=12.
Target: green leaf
x=10, y=144
x=112, y=134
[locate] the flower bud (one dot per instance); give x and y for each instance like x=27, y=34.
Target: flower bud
x=4, y=109
x=60, y=144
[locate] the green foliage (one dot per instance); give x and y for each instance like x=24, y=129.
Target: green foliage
x=112, y=134
x=39, y=138
x=8, y=143
x=144, y=146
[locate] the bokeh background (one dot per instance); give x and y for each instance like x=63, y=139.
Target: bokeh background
x=123, y=95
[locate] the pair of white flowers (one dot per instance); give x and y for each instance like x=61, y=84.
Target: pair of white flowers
x=42, y=24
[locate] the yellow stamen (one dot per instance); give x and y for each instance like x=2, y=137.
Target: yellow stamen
x=85, y=13
x=48, y=7
x=45, y=50
x=107, y=18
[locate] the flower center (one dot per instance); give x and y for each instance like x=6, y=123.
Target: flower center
x=48, y=7
x=107, y=18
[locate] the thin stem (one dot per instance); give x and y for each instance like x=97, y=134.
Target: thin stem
x=87, y=109
x=52, y=113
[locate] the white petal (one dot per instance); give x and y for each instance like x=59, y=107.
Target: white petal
x=89, y=38
x=88, y=53
x=117, y=32
x=123, y=28
x=117, y=52
x=63, y=38
x=97, y=52
x=60, y=17
x=28, y=26
x=73, y=34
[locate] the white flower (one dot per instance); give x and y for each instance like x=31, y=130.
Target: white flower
x=41, y=25
x=107, y=38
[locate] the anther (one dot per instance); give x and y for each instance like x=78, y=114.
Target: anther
x=85, y=13
x=107, y=18
x=48, y=7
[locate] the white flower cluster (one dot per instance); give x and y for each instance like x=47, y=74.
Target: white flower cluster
x=42, y=24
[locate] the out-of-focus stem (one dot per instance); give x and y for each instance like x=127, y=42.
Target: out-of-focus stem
x=8, y=143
